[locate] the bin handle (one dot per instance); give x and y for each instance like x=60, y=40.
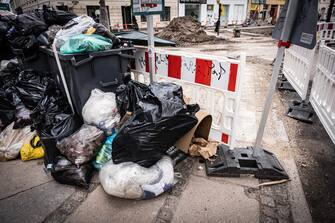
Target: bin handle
x=77, y=64
x=111, y=83
x=91, y=57
x=127, y=56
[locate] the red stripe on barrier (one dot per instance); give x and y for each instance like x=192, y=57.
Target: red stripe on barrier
x=203, y=71
x=224, y=138
x=174, y=66
x=232, y=77
x=146, y=62
x=330, y=26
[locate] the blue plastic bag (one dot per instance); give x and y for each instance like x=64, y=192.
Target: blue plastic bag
x=105, y=153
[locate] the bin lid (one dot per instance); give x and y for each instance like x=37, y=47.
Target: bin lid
x=141, y=38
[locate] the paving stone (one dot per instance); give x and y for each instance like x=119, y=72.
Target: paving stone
x=266, y=219
x=21, y=176
x=204, y=200
x=283, y=211
x=101, y=207
x=165, y=214
x=281, y=199
x=268, y=211
x=268, y=201
x=34, y=205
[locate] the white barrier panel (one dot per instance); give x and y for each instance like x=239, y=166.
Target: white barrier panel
x=299, y=62
x=298, y=68
x=212, y=82
x=323, y=89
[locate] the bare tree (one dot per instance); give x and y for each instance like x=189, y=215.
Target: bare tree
x=103, y=14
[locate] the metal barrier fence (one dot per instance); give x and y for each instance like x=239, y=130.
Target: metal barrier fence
x=211, y=81
x=323, y=90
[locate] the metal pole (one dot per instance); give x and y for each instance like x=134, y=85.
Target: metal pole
x=62, y=75
x=288, y=24
x=151, y=46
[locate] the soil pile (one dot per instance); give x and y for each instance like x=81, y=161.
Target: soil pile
x=185, y=30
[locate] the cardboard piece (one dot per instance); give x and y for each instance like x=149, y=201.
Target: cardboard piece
x=200, y=130
x=201, y=147
x=209, y=150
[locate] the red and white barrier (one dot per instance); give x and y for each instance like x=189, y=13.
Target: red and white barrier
x=323, y=90
x=211, y=81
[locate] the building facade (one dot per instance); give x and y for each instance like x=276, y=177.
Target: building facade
x=207, y=12
x=266, y=10
x=120, y=12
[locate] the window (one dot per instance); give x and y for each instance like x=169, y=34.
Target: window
x=94, y=12
x=143, y=18
x=210, y=7
x=166, y=14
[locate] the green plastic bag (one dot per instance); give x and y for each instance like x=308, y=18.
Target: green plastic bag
x=85, y=43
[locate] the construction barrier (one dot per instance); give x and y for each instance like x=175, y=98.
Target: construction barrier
x=323, y=90
x=211, y=81
x=298, y=68
x=299, y=62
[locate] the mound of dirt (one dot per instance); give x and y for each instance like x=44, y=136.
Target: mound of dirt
x=185, y=30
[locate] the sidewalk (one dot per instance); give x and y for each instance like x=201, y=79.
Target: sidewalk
x=28, y=195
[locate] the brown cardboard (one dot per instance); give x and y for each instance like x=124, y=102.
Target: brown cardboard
x=200, y=130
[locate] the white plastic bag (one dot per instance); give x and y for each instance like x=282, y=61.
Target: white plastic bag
x=132, y=181
x=11, y=141
x=74, y=27
x=100, y=110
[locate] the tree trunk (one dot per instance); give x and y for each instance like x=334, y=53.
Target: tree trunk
x=103, y=14
x=330, y=10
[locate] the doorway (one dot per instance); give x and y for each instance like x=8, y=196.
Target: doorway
x=193, y=10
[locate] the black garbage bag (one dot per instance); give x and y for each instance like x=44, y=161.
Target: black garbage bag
x=5, y=50
x=128, y=95
x=30, y=24
x=57, y=17
x=65, y=172
x=53, y=121
x=171, y=97
x=31, y=88
x=22, y=117
x=3, y=30
x=52, y=117
x=9, y=74
x=158, y=121
x=103, y=31
x=28, y=44
x=51, y=32
x=7, y=111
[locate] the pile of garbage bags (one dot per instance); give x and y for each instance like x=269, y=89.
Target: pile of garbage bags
x=24, y=33
x=125, y=135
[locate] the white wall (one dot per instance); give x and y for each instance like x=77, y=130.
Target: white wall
x=203, y=14
x=181, y=10
x=209, y=18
